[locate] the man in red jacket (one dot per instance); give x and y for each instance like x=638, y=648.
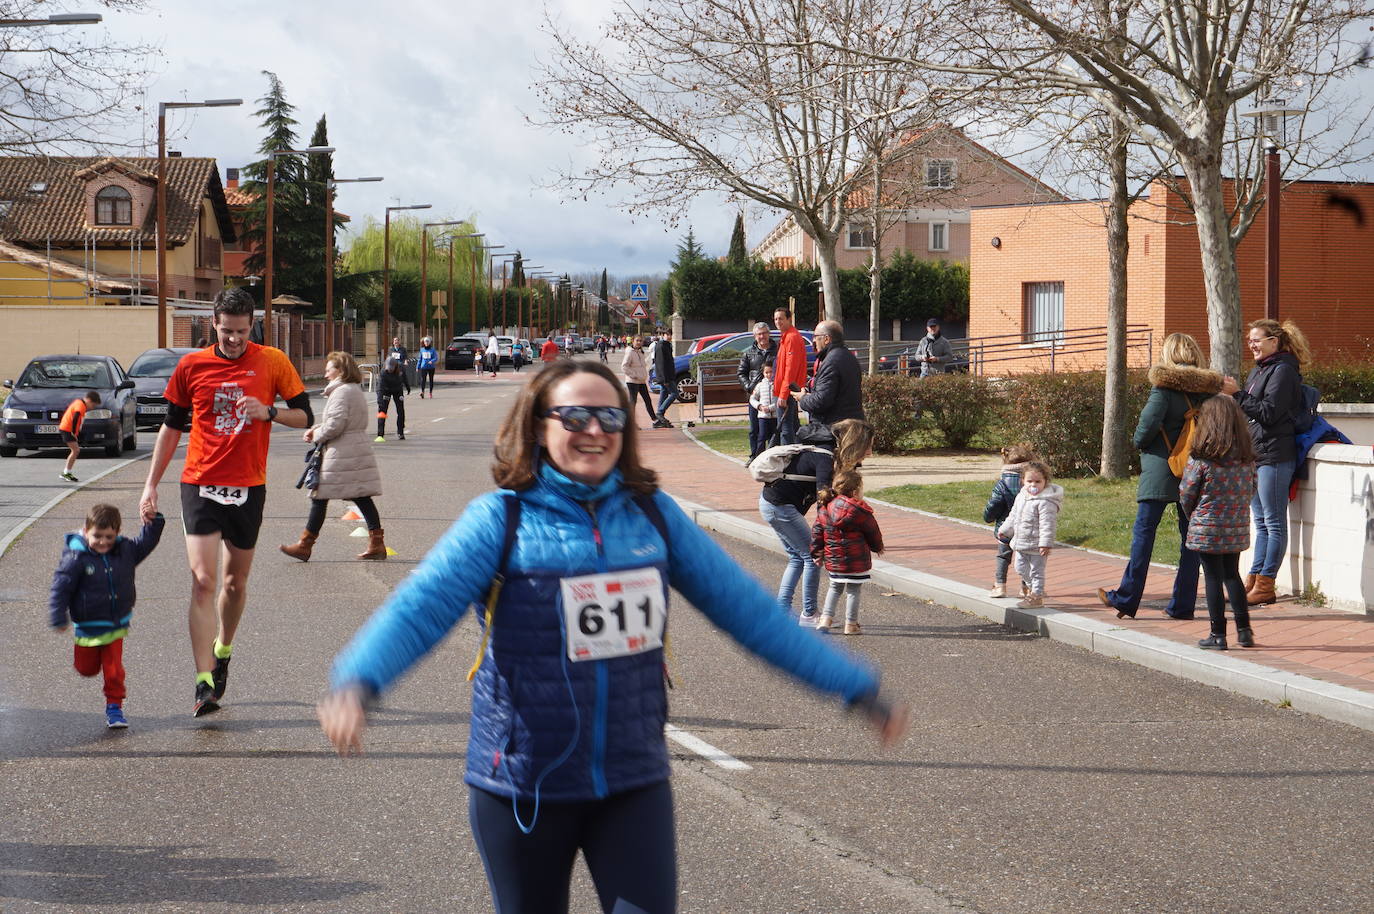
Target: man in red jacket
x=788, y=370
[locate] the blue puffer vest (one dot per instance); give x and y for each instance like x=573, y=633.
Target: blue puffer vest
x=97, y=591
x=583, y=730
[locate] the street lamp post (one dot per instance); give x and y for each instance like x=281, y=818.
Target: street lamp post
x=162, y=202
x=472, y=279
x=491, y=281
x=330, y=183
x=386, y=275
x=525, y=275
x=54, y=19
x=270, y=267
x=1272, y=120
x=424, y=271
x=472, y=291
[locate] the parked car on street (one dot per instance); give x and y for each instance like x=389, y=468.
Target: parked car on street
x=462, y=351
x=149, y=373
x=731, y=346
x=49, y=384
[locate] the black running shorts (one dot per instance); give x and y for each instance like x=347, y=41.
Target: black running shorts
x=238, y=524
x=67, y=437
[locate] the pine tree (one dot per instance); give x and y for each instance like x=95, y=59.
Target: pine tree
x=687, y=252
x=739, y=254
x=603, y=311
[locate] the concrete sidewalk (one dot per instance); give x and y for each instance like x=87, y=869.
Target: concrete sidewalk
x=1318, y=661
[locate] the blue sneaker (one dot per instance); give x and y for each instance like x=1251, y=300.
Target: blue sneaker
x=114, y=717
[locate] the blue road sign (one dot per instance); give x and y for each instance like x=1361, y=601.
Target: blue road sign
x=639, y=291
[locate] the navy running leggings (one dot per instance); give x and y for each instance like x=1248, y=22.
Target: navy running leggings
x=628, y=841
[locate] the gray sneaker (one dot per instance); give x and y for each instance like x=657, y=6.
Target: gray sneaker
x=808, y=621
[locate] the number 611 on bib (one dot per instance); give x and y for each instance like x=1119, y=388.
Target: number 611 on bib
x=615, y=614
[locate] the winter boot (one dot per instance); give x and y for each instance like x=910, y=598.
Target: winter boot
x=1245, y=637
x=376, y=547
x=1249, y=582
x=1262, y=592
x=302, y=549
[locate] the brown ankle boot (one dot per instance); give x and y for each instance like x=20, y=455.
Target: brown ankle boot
x=1262, y=592
x=376, y=547
x=1249, y=582
x=302, y=549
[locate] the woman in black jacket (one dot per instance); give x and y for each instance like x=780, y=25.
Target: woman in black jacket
x=392, y=385
x=1271, y=399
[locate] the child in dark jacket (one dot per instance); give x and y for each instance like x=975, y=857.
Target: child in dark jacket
x=1004, y=492
x=1215, y=493
x=94, y=588
x=843, y=541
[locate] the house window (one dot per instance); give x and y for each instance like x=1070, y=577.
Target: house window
x=940, y=173
x=939, y=236
x=1044, y=312
x=113, y=206
x=860, y=235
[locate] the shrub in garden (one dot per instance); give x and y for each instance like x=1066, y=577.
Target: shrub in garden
x=890, y=407
x=960, y=405
x=1060, y=415
x=1342, y=382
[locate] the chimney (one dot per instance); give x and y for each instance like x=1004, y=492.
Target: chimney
x=231, y=178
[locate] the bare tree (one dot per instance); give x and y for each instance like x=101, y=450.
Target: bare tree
x=682, y=97
x=66, y=88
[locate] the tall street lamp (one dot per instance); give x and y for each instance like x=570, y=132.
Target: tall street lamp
x=424, y=270
x=472, y=271
x=329, y=185
x=386, y=275
x=491, y=281
x=54, y=19
x=472, y=290
x=1272, y=119
x=162, y=109
x=525, y=269
x=270, y=269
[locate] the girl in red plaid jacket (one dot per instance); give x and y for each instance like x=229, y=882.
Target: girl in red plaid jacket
x=843, y=541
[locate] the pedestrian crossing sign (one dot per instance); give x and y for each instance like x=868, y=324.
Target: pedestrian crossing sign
x=640, y=312
x=639, y=291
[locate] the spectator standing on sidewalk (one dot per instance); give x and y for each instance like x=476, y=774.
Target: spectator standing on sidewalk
x=836, y=391
x=634, y=366
x=665, y=370
x=577, y=530
x=763, y=406
x=1215, y=494
x=1030, y=529
x=789, y=370
x=1177, y=384
x=348, y=468
x=425, y=363
x=760, y=352
x=933, y=352
x=93, y=588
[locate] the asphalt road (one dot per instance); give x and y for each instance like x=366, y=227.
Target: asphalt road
x=1037, y=777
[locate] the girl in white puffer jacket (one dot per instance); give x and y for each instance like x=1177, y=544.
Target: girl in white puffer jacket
x=1030, y=529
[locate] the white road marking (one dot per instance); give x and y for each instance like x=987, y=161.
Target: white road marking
x=704, y=749
x=440, y=419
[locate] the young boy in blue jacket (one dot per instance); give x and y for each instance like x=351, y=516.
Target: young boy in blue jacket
x=94, y=588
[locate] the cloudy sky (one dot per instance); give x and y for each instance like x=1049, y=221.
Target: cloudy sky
x=433, y=96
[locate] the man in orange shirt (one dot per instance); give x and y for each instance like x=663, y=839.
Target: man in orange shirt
x=223, y=396
x=789, y=370
x=70, y=429
x=549, y=351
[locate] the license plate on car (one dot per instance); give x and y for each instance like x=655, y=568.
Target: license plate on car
x=46, y=430
x=153, y=409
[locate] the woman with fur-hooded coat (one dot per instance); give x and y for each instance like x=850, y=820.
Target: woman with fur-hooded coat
x=1177, y=385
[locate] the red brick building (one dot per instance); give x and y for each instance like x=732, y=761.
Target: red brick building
x=1041, y=269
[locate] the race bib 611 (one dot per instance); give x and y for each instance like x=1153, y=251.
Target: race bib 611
x=615, y=614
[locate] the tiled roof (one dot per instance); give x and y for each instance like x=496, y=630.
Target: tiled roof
x=237, y=196
x=59, y=212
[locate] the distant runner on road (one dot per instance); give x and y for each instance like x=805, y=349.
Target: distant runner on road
x=223, y=396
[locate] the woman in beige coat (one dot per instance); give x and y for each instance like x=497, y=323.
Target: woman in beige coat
x=348, y=469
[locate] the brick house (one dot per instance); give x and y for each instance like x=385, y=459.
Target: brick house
x=941, y=175
x=95, y=218
x=1040, y=271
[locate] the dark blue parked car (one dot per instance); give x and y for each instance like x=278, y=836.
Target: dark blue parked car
x=45, y=389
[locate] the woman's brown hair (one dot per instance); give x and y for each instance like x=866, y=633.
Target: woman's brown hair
x=349, y=372
x=1222, y=433
x=517, y=450
x=1018, y=453
x=853, y=441
x=1289, y=337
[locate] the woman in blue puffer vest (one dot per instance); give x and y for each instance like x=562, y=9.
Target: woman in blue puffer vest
x=566, y=750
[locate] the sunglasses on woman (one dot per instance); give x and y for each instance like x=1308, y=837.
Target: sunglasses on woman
x=577, y=418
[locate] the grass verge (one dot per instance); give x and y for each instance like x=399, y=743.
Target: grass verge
x=732, y=442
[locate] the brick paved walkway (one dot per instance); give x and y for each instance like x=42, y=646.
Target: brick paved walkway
x=1334, y=647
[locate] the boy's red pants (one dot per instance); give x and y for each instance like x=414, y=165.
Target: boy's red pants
x=108, y=658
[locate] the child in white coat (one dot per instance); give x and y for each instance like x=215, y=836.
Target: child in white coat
x=765, y=403
x=1030, y=529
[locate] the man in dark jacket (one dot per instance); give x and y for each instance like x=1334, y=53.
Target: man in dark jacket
x=837, y=390
x=666, y=372
x=759, y=353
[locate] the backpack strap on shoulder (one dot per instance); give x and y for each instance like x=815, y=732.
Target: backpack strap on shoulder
x=650, y=508
x=512, y=503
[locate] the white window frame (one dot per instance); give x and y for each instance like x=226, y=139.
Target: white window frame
x=1043, y=301
x=946, y=175
x=865, y=233
x=931, y=244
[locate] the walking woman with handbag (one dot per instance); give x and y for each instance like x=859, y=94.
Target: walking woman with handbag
x=348, y=468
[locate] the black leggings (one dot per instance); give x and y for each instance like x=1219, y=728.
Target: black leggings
x=318, y=507
x=643, y=391
x=1222, y=570
x=628, y=841
x=427, y=374
x=382, y=403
